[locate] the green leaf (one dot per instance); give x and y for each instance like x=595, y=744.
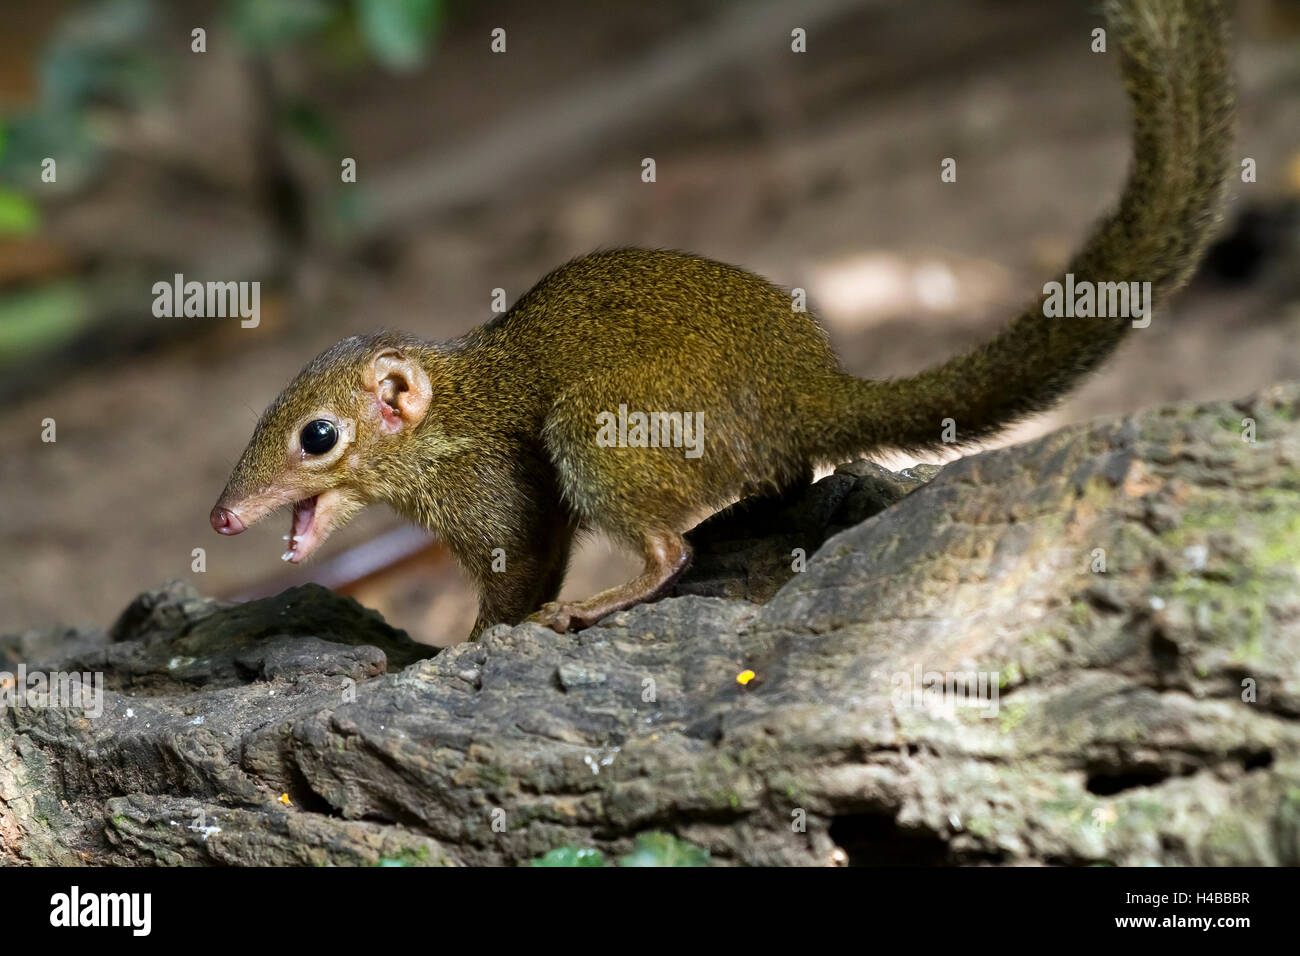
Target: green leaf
x=19, y=216
x=399, y=32
x=42, y=318
x=664, y=849
x=264, y=24
x=312, y=125
x=60, y=133
x=101, y=52
x=349, y=207
x=570, y=856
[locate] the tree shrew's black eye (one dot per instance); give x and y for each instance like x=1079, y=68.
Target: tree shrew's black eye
x=318, y=437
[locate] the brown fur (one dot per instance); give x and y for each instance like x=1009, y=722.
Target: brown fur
x=506, y=456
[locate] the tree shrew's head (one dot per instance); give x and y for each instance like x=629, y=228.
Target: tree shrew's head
x=322, y=445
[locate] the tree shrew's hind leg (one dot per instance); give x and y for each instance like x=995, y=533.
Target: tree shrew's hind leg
x=666, y=555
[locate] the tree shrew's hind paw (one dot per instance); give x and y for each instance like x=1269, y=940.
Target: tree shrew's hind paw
x=561, y=617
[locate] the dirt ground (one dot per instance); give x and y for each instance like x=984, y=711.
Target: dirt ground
x=820, y=171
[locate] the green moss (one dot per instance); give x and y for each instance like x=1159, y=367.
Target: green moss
x=1151, y=809
x=1009, y=717
x=651, y=849
x=1226, y=514
x=1283, y=543
x=1066, y=807
x=790, y=786
x=415, y=856
x=664, y=849
x=489, y=775
x=1231, y=603
x=1079, y=614
x=570, y=856
x=1052, y=635
x=1228, y=840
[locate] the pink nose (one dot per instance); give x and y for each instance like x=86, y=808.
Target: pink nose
x=225, y=521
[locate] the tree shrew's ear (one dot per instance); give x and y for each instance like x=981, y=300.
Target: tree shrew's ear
x=401, y=386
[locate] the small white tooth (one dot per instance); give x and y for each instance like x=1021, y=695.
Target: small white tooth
x=285, y=538
x=286, y=556
x=297, y=538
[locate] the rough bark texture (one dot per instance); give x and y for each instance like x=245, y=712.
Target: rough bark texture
x=1147, y=713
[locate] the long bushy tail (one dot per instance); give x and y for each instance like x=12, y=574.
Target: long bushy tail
x=1175, y=63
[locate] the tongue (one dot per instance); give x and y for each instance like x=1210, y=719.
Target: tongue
x=303, y=513
x=300, y=530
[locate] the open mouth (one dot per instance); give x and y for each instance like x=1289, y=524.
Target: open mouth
x=302, y=536
x=313, y=518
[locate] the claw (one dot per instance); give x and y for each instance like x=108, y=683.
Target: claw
x=554, y=615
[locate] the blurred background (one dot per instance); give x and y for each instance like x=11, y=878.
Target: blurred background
x=479, y=169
